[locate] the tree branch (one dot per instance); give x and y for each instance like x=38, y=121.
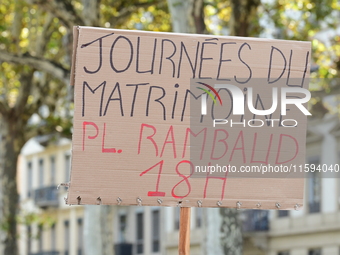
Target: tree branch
x=24, y=92
x=50, y=126
x=91, y=13
x=323, y=93
x=334, y=88
x=63, y=10
x=126, y=12
x=55, y=69
x=44, y=36
x=3, y=108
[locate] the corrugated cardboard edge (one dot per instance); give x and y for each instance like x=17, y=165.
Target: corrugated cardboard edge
x=74, y=54
x=72, y=82
x=192, y=35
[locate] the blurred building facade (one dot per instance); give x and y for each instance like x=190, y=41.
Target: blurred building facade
x=315, y=228
x=49, y=227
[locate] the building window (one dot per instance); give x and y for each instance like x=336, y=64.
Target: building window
x=122, y=228
x=80, y=236
x=67, y=167
x=29, y=179
x=177, y=212
x=316, y=251
x=41, y=173
x=140, y=233
x=52, y=161
x=283, y=213
x=155, y=225
x=283, y=253
x=314, y=188
x=53, y=238
x=66, y=237
x=199, y=216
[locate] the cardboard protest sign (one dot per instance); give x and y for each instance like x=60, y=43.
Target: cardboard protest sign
x=154, y=111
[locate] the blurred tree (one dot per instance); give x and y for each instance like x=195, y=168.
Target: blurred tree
x=29, y=85
x=319, y=22
x=35, y=54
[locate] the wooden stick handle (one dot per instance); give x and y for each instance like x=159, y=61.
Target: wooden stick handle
x=184, y=231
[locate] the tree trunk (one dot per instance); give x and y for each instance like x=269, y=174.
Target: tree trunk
x=187, y=16
x=98, y=220
x=231, y=239
x=2, y=163
x=92, y=13
x=10, y=145
x=92, y=230
x=107, y=214
x=212, y=220
x=243, y=14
